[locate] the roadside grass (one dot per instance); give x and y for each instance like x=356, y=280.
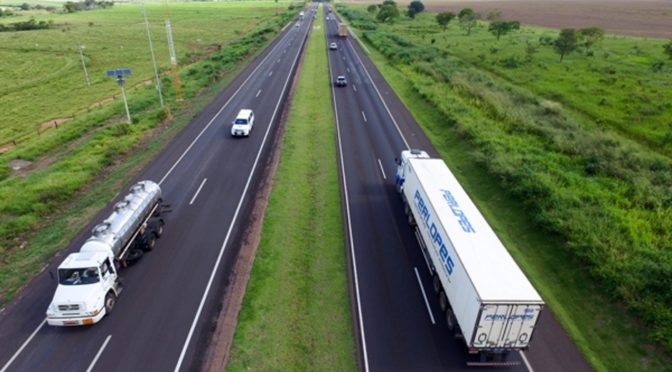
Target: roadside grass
x=81, y=158
x=296, y=312
x=479, y=118
x=43, y=78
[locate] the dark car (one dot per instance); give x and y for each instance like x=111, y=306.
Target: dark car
x=341, y=81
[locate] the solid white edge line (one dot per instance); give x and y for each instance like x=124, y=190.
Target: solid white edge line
x=217, y=114
x=197, y=191
x=424, y=295
x=350, y=237
x=25, y=343
x=364, y=116
x=235, y=217
x=379, y=95
x=100, y=352
x=527, y=363
x=258, y=93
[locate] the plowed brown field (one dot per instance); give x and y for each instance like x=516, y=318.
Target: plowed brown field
x=645, y=18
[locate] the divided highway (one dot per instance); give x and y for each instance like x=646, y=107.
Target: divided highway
x=398, y=320
x=162, y=319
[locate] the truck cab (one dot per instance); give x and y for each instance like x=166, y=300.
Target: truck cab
x=87, y=289
x=402, y=165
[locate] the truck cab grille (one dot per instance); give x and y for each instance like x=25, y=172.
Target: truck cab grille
x=68, y=307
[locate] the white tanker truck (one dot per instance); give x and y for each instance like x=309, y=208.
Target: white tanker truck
x=88, y=281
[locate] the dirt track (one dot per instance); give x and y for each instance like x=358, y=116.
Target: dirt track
x=645, y=18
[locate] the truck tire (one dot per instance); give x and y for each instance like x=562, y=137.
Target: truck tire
x=443, y=301
x=436, y=283
x=134, y=255
x=158, y=231
x=450, y=319
x=150, y=242
x=110, y=300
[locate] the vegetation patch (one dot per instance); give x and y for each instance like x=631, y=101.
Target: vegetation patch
x=296, y=311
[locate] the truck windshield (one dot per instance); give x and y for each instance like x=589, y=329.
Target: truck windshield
x=85, y=275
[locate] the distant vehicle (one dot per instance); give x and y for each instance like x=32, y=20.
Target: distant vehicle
x=342, y=30
x=341, y=81
x=298, y=24
x=88, y=281
x=333, y=46
x=485, y=298
x=301, y=15
x=242, y=125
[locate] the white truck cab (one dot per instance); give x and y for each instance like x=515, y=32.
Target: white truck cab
x=242, y=125
x=87, y=289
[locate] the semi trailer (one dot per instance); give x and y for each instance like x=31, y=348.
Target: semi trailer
x=484, y=296
x=88, y=280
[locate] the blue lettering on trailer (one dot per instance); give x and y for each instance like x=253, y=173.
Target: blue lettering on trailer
x=461, y=217
x=502, y=317
x=447, y=261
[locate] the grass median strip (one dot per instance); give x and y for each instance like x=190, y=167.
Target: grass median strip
x=296, y=311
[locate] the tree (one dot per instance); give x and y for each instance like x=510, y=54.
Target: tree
x=499, y=28
x=371, y=9
x=566, y=42
x=415, y=7
x=388, y=12
x=468, y=19
x=591, y=35
x=668, y=49
x=444, y=18
x=70, y=7
x=25, y=6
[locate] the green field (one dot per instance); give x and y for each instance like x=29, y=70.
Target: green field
x=81, y=159
x=569, y=161
x=296, y=312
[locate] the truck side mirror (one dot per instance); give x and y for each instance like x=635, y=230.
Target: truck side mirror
x=396, y=161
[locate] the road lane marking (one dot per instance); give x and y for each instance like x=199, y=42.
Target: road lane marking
x=258, y=93
x=527, y=363
x=197, y=191
x=270, y=74
x=100, y=351
x=216, y=115
x=354, y=87
x=347, y=69
x=424, y=295
x=278, y=61
x=380, y=96
x=25, y=343
x=364, y=116
x=351, y=238
x=235, y=214
x=381, y=169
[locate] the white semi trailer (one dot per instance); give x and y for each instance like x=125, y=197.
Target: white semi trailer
x=88, y=281
x=484, y=296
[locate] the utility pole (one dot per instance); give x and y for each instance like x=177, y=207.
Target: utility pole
x=86, y=73
x=171, y=50
x=151, y=49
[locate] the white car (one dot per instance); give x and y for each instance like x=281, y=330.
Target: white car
x=333, y=46
x=242, y=126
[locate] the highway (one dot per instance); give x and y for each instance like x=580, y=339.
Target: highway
x=398, y=321
x=162, y=319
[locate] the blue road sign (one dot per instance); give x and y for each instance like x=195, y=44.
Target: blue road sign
x=118, y=72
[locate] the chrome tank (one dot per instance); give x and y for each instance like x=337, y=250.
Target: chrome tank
x=129, y=213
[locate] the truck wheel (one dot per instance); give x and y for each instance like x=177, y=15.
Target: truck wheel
x=436, y=283
x=450, y=319
x=150, y=242
x=134, y=255
x=159, y=228
x=110, y=300
x=443, y=301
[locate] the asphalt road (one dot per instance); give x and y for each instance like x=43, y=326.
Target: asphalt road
x=398, y=319
x=162, y=318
